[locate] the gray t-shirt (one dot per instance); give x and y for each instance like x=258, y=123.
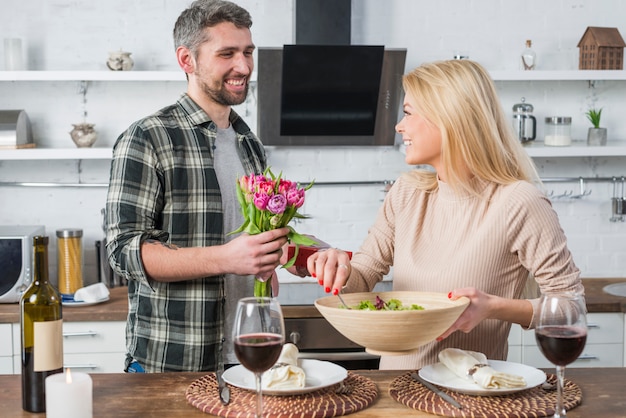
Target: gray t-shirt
x=228, y=169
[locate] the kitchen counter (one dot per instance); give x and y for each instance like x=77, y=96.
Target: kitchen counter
x=163, y=395
x=116, y=308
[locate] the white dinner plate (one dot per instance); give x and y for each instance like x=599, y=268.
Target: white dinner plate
x=83, y=303
x=319, y=374
x=440, y=375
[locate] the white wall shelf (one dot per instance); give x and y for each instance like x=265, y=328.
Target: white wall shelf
x=56, y=154
x=97, y=76
x=92, y=76
x=577, y=149
x=574, y=75
x=534, y=149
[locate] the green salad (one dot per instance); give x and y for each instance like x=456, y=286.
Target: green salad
x=391, y=305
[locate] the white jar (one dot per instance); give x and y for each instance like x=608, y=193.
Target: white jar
x=558, y=131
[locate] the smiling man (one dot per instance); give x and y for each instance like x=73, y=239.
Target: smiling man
x=172, y=200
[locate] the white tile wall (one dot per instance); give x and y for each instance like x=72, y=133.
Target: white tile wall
x=80, y=33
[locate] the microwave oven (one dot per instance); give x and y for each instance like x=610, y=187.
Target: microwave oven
x=16, y=260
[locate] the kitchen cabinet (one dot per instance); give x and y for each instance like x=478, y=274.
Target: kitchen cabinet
x=6, y=349
x=534, y=149
x=91, y=347
x=515, y=344
x=604, y=347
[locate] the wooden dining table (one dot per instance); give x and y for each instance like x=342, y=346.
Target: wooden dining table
x=163, y=395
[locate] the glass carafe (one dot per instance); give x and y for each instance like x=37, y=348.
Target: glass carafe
x=524, y=123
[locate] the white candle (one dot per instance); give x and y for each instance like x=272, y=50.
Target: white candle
x=13, y=58
x=69, y=395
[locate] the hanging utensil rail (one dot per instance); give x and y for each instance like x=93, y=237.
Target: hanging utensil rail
x=580, y=180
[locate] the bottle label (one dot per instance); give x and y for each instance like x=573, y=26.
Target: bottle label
x=48, y=345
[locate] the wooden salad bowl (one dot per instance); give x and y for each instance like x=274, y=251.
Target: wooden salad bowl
x=390, y=332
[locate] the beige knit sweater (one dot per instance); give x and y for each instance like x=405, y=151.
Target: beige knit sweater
x=440, y=241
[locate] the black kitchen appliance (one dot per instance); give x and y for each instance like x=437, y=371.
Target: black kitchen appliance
x=329, y=95
x=16, y=260
x=317, y=339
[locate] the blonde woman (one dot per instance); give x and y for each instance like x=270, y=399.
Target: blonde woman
x=475, y=224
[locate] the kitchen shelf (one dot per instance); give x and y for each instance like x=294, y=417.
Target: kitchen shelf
x=56, y=154
x=498, y=75
x=573, y=75
x=92, y=76
x=577, y=149
x=178, y=75
x=534, y=149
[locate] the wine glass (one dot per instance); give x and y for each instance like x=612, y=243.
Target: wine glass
x=561, y=334
x=259, y=335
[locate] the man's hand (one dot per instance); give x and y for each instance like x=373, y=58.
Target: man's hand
x=258, y=254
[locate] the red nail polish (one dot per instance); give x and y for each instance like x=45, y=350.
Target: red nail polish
x=313, y=275
x=321, y=282
x=335, y=291
x=327, y=289
x=450, y=295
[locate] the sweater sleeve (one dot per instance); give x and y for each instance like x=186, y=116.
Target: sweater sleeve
x=540, y=243
x=375, y=257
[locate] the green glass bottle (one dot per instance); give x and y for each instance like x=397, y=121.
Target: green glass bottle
x=42, y=331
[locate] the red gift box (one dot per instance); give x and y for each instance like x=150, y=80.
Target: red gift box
x=305, y=251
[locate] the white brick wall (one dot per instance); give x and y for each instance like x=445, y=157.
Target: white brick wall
x=77, y=35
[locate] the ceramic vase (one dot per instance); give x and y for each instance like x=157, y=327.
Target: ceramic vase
x=83, y=134
x=120, y=61
x=596, y=136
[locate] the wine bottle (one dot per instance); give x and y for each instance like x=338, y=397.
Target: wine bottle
x=42, y=331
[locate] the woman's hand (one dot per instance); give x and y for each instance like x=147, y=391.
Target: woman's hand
x=331, y=268
x=483, y=305
x=476, y=311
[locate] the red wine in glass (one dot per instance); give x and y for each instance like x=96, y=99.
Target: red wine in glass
x=561, y=344
x=258, y=352
x=561, y=334
x=258, y=335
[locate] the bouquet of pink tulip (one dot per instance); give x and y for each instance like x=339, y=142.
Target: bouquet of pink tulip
x=269, y=202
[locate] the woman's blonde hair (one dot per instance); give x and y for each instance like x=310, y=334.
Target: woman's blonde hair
x=459, y=97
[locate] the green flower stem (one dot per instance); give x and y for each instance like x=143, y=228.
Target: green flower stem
x=262, y=288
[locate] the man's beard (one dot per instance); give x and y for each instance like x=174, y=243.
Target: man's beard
x=223, y=96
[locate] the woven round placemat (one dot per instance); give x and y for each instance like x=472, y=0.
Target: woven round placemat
x=322, y=403
x=535, y=402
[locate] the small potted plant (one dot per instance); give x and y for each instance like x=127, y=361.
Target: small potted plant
x=595, y=135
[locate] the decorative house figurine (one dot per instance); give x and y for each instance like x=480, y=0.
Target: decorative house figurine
x=601, y=49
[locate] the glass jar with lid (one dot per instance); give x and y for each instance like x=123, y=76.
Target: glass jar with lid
x=558, y=131
x=70, y=260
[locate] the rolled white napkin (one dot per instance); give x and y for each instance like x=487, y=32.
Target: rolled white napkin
x=92, y=293
x=474, y=365
x=285, y=374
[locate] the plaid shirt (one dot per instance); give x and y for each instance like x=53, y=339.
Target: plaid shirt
x=163, y=186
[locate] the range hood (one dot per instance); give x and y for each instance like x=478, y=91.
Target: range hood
x=323, y=91
x=323, y=22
